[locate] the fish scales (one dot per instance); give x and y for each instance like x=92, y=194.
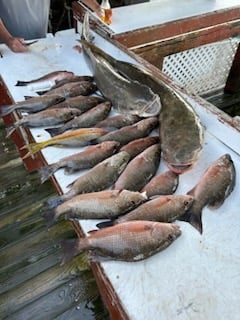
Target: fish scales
x=105, y=204
x=83, y=103
x=118, y=121
x=85, y=159
x=129, y=241
x=98, y=178
x=213, y=188
x=85, y=120
x=126, y=134
x=140, y=169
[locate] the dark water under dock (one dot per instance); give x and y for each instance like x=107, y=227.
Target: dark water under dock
x=33, y=284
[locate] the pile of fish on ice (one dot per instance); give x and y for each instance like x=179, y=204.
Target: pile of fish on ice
x=123, y=156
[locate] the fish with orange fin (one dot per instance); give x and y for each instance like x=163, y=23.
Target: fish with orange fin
x=75, y=138
x=214, y=187
x=129, y=241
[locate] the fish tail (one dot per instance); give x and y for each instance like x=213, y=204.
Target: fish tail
x=105, y=224
x=54, y=202
x=5, y=110
x=21, y=83
x=194, y=217
x=10, y=130
x=34, y=148
x=47, y=171
x=50, y=217
x=54, y=131
x=70, y=249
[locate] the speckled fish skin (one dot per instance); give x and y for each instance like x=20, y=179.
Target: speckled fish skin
x=126, y=95
x=85, y=120
x=163, y=209
x=140, y=169
x=162, y=184
x=31, y=105
x=74, y=89
x=73, y=78
x=126, y=134
x=98, y=178
x=105, y=204
x=85, y=159
x=213, y=188
x=119, y=121
x=52, y=76
x=129, y=241
x=181, y=135
x=83, y=103
x=139, y=145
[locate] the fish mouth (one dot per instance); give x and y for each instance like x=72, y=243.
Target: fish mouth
x=179, y=169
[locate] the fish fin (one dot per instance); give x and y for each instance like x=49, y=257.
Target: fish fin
x=50, y=217
x=5, y=110
x=54, y=202
x=105, y=224
x=10, y=131
x=40, y=93
x=196, y=221
x=54, y=131
x=33, y=148
x=46, y=172
x=69, y=250
x=21, y=83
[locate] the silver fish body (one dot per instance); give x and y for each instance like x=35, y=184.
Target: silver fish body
x=126, y=95
x=52, y=77
x=85, y=159
x=83, y=103
x=213, y=188
x=140, y=169
x=129, y=241
x=74, y=89
x=34, y=104
x=118, y=121
x=73, y=78
x=105, y=204
x=98, y=178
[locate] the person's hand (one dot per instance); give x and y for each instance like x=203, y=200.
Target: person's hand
x=16, y=44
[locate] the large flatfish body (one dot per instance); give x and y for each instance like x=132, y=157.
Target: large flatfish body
x=127, y=95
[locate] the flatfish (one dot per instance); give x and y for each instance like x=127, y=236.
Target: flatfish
x=126, y=95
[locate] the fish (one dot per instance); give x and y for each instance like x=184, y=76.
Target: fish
x=135, y=131
x=164, y=183
x=43, y=118
x=32, y=105
x=106, y=204
x=181, y=130
x=118, y=121
x=140, y=169
x=166, y=208
x=73, y=89
x=98, y=178
x=75, y=138
x=52, y=77
x=85, y=159
x=129, y=241
x=139, y=145
x=126, y=95
x=73, y=78
x=85, y=120
x=83, y=103
x=215, y=185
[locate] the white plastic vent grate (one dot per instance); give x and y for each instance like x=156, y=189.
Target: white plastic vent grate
x=203, y=69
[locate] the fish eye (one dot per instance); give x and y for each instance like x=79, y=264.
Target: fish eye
x=170, y=237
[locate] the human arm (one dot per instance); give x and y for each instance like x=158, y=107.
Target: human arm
x=14, y=44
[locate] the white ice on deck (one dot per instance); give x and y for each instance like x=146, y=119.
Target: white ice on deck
x=198, y=276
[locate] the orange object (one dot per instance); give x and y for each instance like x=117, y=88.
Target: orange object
x=107, y=12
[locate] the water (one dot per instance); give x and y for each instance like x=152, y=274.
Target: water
x=33, y=284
